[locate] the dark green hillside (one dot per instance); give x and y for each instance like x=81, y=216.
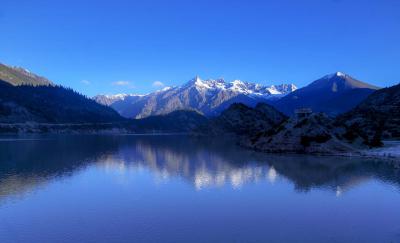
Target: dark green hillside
x=176, y=121
x=50, y=104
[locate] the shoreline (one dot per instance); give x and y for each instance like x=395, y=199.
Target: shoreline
x=389, y=152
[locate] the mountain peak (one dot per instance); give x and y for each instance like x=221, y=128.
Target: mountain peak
x=340, y=81
x=197, y=81
x=340, y=74
x=332, y=94
x=336, y=74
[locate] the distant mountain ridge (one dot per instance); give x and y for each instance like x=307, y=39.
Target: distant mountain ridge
x=332, y=94
x=111, y=99
x=209, y=97
x=20, y=76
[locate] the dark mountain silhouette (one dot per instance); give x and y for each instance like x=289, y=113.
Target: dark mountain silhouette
x=316, y=133
x=266, y=129
x=333, y=94
x=176, y=121
x=50, y=104
x=378, y=115
x=244, y=121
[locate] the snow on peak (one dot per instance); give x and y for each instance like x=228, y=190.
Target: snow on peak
x=214, y=86
x=209, y=84
x=201, y=84
x=337, y=74
x=273, y=90
x=285, y=88
x=238, y=86
x=116, y=96
x=198, y=82
x=162, y=90
x=119, y=96
x=166, y=88
x=340, y=74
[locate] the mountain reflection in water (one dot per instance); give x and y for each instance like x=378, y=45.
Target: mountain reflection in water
x=204, y=163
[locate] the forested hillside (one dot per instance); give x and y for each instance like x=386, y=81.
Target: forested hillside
x=50, y=104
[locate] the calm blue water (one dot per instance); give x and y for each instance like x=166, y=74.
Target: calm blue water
x=179, y=189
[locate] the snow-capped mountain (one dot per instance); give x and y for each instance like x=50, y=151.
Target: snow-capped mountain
x=242, y=87
x=208, y=97
x=108, y=100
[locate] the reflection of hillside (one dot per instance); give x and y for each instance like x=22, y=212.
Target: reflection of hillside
x=18, y=185
x=335, y=173
x=195, y=161
x=25, y=165
x=207, y=163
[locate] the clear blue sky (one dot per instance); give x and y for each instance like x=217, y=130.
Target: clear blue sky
x=125, y=46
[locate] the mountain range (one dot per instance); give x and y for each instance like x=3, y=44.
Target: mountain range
x=332, y=94
x=208, y=97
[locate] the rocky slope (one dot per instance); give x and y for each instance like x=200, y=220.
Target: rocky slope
x=378, y=115
x=332, y=94
x=243, y=122
x=314, y=134
x=266, y=129
x=20, y=76
x=209, y=97
x=180, y=121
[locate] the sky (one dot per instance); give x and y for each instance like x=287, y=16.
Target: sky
x=106, y=47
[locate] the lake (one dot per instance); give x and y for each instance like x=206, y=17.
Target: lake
x=182, y=189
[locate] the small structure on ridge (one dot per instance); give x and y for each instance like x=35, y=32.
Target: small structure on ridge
x=303, y=112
